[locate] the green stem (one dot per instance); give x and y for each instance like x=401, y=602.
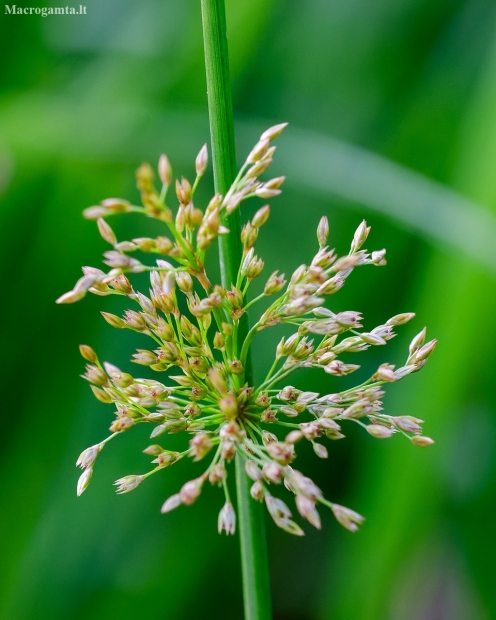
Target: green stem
x=254, y=563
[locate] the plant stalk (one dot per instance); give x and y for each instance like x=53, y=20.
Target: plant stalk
x=251, y=525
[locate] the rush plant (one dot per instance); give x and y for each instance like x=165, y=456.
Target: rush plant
x=199, y=342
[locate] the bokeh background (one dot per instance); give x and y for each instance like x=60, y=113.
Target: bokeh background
x=392, y=111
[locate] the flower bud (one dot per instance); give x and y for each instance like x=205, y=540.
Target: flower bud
x=201, y=445
x=306, y=508
x=88, y=353
x=423, y=353
x=106, y=232
x=71, y=297
x=128, y=483
x=217, y=474
x=261, y=217
x=273, y=472
x=372, y=339
x=257, y=491
x=274, y=284
x=400, y=319
x=281, y=452
x=164, y=170
x=361, y=234
x=236, y=367
x=258, y=151
x=379, y=431
x=249, y=235
x=228, y=406
x=385, y=372
x=184, y=282
x=263, y=192
x=190, y=491
x=347, y=518
x=84, y=480
x=153, y=450
x=293, y=437
x=255, y=268
x=201, y=161
x=273, y=132
x=418, y=341
x=93, y=213
x=101, y=395
x=421, y=441
x=227, y=519
x=88, y=456
x=113, y=320
x=173, y=502
x=219, y=342
x=320, y=450
x=253, y=471
x=323, y=231
x=377, y=258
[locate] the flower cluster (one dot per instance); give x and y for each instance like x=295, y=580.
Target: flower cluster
x=197, y=328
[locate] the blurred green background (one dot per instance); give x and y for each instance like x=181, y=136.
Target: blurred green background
x=392, y=111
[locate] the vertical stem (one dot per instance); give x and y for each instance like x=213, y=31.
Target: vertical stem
x=254, y=563
x=221, y=127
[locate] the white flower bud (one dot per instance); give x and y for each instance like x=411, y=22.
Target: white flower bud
x=84, y=480
x=227, y=519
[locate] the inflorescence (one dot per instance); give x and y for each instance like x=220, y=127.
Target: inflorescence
x=212, y=398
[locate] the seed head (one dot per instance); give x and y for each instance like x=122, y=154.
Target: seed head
x=207, y=395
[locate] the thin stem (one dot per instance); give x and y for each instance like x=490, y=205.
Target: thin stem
x=254, y=564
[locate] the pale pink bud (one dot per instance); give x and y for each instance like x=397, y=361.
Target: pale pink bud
x=348, y=518
x=173, y=502
x=320, y=450
x=323, y=231
x=253, y=471
x=106, y=232
x=190, y=491
x=361, y=234
x=273, y=132
x=418, y=341
x=306, y=508
x=273, y=472
x=385, y=372
x=400, y=319
x=256, y=491
x=164, y=170
x=71, y=297
x=381, y=432
x=372, y=339
x=425, y=351
x=201, y=161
